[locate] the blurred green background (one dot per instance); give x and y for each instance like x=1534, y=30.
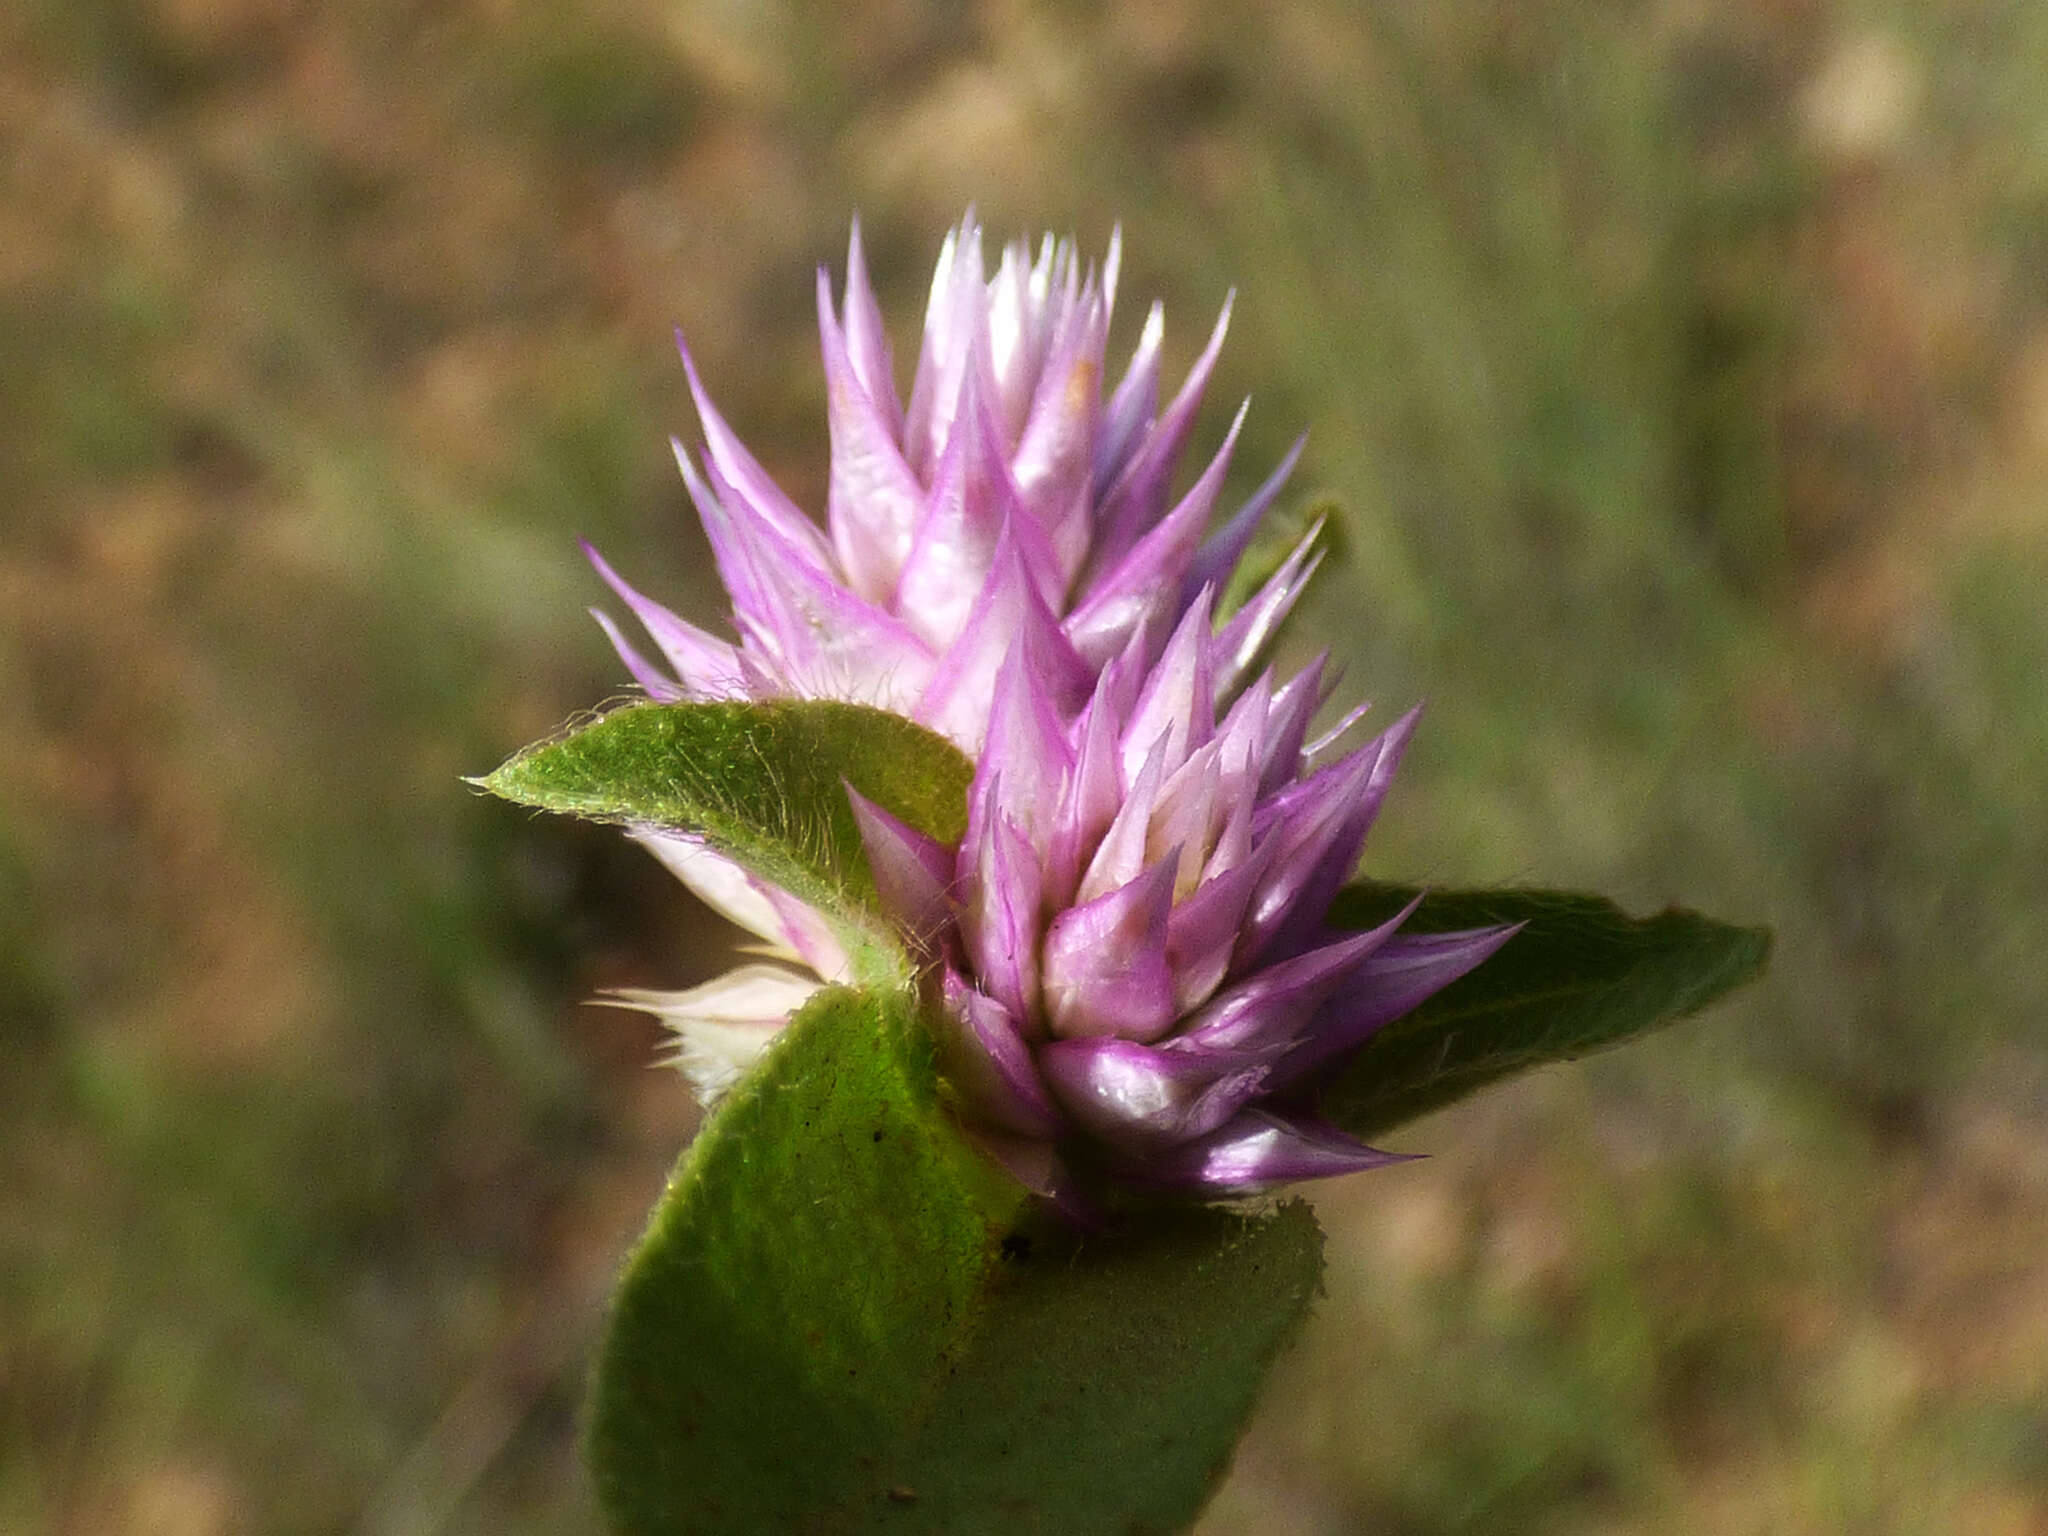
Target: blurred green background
x=1682, y=369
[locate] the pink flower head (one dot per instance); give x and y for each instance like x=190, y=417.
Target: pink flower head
x=1133, y=965
x=1010, y=502
x=1127, y=950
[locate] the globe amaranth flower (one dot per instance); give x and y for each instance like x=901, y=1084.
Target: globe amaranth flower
x=1126, y=950
x=1008, y=489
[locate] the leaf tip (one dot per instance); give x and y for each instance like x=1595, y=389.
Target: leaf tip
x=1752, y=954
x=506, y=781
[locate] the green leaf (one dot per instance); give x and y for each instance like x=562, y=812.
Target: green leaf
x=1582, y=975
x=1109, y=1380
x=761, y=783
x=843, y=1319
x=808, y=1270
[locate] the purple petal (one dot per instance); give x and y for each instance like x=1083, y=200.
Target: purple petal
x=973, y=503
x=1088, y=798
x=1189, y=815
x=824, y=641
x=1105, y=961
x=952, y=551
x=1123, y=675
x=1203, y=930
x=1407, y=971
x=867, y=343
x=913, y=873
x=660, y=688
x=1056, y=450
x=832, y=645
x=1207, y=803
x=1120, y=856
x=1179, y=698
x=873, y=503
x=743, y=472
x=1001, y=918
x=1137, y=1098
x=1247, y=633
x=1009, y=611
x=1221, y=551
x=1319, y=826
x=1132, y=406
x=1258, y=1151
x=990, y=1064
x=805, y=931
x=1022, y=314
x=1308, y=809
x=792, y=928
x=1272, y=1006
x=1294, y=705
x=955, y=318
x=704, y=664
x=1153, y=574
x=1242, y=733
x=1234, y=844
x=1323, y=870
x=1134, y=503
x=1026, y=746
x=729, y=552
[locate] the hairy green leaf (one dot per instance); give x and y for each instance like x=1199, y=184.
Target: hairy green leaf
x=843, y=1319
x=1582, y=975
x=805, y=1277
x=759, y=782
x=1108, y=1381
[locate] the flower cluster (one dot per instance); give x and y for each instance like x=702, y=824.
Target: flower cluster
x=1127, y=950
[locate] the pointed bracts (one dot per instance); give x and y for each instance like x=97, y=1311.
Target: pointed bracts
x=1126, y=955
x=1013, y=496
x=1138, y=964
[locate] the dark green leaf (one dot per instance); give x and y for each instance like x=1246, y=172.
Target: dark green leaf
x=1108, y=1381
x=760, y=782
x=843, y=1319
x=1581, y=976
x=805, y=1276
